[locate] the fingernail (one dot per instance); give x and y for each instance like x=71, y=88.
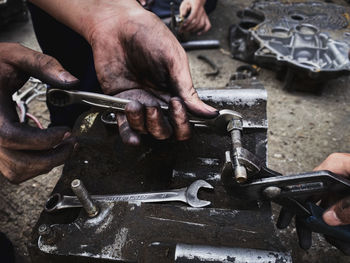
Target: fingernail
x=66, y=135
x=331, y=218
x=67, y=77
x=75, y=146
x=152, y=111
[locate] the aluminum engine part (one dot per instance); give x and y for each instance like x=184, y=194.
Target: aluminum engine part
x=312, y=39
x=122, y=232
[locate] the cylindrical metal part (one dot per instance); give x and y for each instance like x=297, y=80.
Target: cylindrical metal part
x=200, y=44
x=198, y=253
x=84, y=198
x=240, y=171
x=236, y=138
x=240, y=174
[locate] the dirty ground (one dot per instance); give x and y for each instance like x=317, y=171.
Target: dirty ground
x=303, y=130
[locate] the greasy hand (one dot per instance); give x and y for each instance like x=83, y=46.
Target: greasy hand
x=27, y=151
x=138, y=58
x=197, y=21
x=338, y=213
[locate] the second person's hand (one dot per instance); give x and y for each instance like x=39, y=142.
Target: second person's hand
x=26, y=151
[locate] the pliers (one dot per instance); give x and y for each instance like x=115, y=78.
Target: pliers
x=292, y=192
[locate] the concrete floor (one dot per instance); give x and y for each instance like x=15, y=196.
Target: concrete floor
x=303, y=130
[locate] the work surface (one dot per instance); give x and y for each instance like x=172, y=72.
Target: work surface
x=303, y=130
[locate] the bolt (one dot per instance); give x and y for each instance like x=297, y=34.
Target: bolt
x=112, y=116
x=272, y=192
x=84, y=198
x=235, y=127
x=47, y=234
x=240, y=174
x=44, y=230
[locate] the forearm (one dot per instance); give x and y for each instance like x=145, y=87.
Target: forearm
x=83, y=15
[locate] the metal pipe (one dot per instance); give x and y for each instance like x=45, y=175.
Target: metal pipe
x=197, y=253
x=84, y=198
x=201, y=44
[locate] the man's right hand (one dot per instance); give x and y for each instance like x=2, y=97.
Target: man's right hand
x=136, y=57
x=26, y=151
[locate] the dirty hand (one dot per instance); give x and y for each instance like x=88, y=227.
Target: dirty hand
x=138, y=58
x=197, y=20
x=26, y=151
x=338, y=212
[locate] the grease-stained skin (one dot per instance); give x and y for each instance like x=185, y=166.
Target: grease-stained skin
x=138, y=58
x=26, y=151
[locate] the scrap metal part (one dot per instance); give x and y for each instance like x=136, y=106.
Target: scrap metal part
x=122, y=231
x=311, y=39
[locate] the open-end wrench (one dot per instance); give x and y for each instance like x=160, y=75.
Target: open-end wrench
x=187, y=195
x=62, y=98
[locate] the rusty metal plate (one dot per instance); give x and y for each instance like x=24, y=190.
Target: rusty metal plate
x=125, y=232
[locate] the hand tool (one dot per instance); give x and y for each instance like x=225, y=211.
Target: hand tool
x=25, y=96
x=292, y=192
x=207, y=60
x=187, y=195
x=62, y=98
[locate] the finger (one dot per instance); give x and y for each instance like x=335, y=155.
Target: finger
x=207, y=27
x=201, y=25
x=135, y=115
x=338, y=214
x=19, y=166
x=193, y=25
x=42, y=66
x=127, y=135
x=18, y=136
x=194, y=103
x=156, y=123
x=338, y=163
x=185, y=8
x=142, y=2
x=183, y=87
x=182, y=128
x=284, y=218
x=192, y=17
x=304, y=234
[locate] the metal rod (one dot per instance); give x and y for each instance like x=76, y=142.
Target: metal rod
x=84, y=198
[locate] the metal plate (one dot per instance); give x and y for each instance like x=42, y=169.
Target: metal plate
x=124, y=231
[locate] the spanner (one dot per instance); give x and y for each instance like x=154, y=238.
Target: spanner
x=187, y=195
x=62, y=98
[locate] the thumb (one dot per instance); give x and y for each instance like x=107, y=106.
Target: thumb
x=42, y=67
x=185, y=8
x=195, y=105
x=338, y=214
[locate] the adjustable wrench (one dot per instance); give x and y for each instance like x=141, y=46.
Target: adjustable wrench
x=62, y=98
x=187, y=195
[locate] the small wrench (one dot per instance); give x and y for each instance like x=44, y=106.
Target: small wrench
x=62, y=98
x=187, y=195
